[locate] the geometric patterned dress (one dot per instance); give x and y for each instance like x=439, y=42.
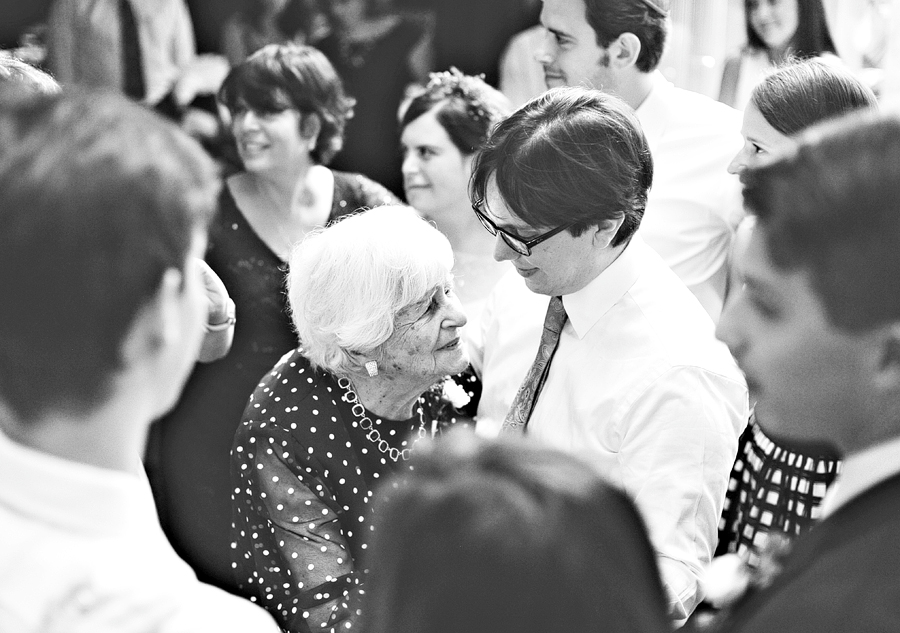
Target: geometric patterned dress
x=771, y=489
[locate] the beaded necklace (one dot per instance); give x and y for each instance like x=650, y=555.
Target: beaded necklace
x=372, y=434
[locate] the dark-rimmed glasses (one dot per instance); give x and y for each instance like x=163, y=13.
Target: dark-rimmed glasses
x=519, y=245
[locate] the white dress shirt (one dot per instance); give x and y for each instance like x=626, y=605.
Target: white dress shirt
x=640, y=386
x=861, y=471
x=77, y=536
x=85, y=45
x=694, y=204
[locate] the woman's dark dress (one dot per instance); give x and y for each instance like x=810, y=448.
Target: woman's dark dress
x=188, y=452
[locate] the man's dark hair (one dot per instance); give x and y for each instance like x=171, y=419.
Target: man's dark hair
x=98, y=199
x=611, y=18
x=572, y=156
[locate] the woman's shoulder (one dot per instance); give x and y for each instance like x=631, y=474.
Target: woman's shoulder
x=290, y=389
x=352, y=191
x=292, y=377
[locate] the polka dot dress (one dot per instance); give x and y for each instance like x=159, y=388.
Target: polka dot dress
x=304, y=473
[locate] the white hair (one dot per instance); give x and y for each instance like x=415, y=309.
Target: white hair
x=347, y=282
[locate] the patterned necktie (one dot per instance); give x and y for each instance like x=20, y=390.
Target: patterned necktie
x=523, y=404
x=132, y=58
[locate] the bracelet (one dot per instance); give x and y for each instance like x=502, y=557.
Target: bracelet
x=230, y=319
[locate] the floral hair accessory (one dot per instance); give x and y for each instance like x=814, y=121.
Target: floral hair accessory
x=469, y=88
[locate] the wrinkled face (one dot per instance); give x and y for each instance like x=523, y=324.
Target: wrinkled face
x=762, y=142
x=806, y=376
x=571, y=55
x=775, y=21
x=426, y=345
x=560, y=265
x=269, y=141
x=435, y=172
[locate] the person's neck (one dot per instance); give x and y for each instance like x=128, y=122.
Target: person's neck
x=635, y=90
x=387, y=398
x=286, y=190
x=606, y=258
x=112, y=436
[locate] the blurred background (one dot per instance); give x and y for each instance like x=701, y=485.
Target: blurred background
x=471, y=34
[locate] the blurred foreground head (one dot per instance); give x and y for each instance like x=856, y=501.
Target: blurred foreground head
x=503, y=537
x=101, y=205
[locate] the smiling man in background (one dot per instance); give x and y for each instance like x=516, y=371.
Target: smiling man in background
x=695, y=205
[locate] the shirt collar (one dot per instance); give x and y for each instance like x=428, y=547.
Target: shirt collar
x=585, y=307
x=653, y=113
x=861, y=471
x=70, y=495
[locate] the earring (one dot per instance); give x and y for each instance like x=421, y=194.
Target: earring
x=372, y=368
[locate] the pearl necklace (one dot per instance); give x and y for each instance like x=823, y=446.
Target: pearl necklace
x=372, y=434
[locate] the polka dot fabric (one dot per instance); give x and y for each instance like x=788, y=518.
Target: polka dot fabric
x=304, y=474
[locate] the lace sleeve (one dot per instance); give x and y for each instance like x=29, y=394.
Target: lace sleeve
x=291, y=545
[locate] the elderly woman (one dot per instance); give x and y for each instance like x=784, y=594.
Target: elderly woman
x=287, y=110
x=373, y=303
x=509, y=537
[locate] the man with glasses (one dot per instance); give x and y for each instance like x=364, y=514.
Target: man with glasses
x=628, y=369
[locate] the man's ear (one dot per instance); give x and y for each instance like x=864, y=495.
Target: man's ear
x=889, y=357
x=624, y=51
x=606, y=231
x=158, y=322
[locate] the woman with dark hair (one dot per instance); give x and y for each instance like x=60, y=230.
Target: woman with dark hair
x=441, y=128
x=287, y=111
x=776, y=487
x=776, y=30
x=509, y=537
